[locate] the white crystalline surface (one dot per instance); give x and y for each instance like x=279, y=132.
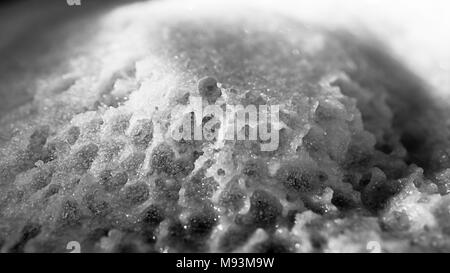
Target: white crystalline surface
x=363, y=154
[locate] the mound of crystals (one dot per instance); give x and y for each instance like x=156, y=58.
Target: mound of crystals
x=362, y=162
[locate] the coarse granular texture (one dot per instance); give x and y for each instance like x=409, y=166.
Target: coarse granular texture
x=363, y=155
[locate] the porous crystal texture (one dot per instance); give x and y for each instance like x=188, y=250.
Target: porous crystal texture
x=363, y=151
